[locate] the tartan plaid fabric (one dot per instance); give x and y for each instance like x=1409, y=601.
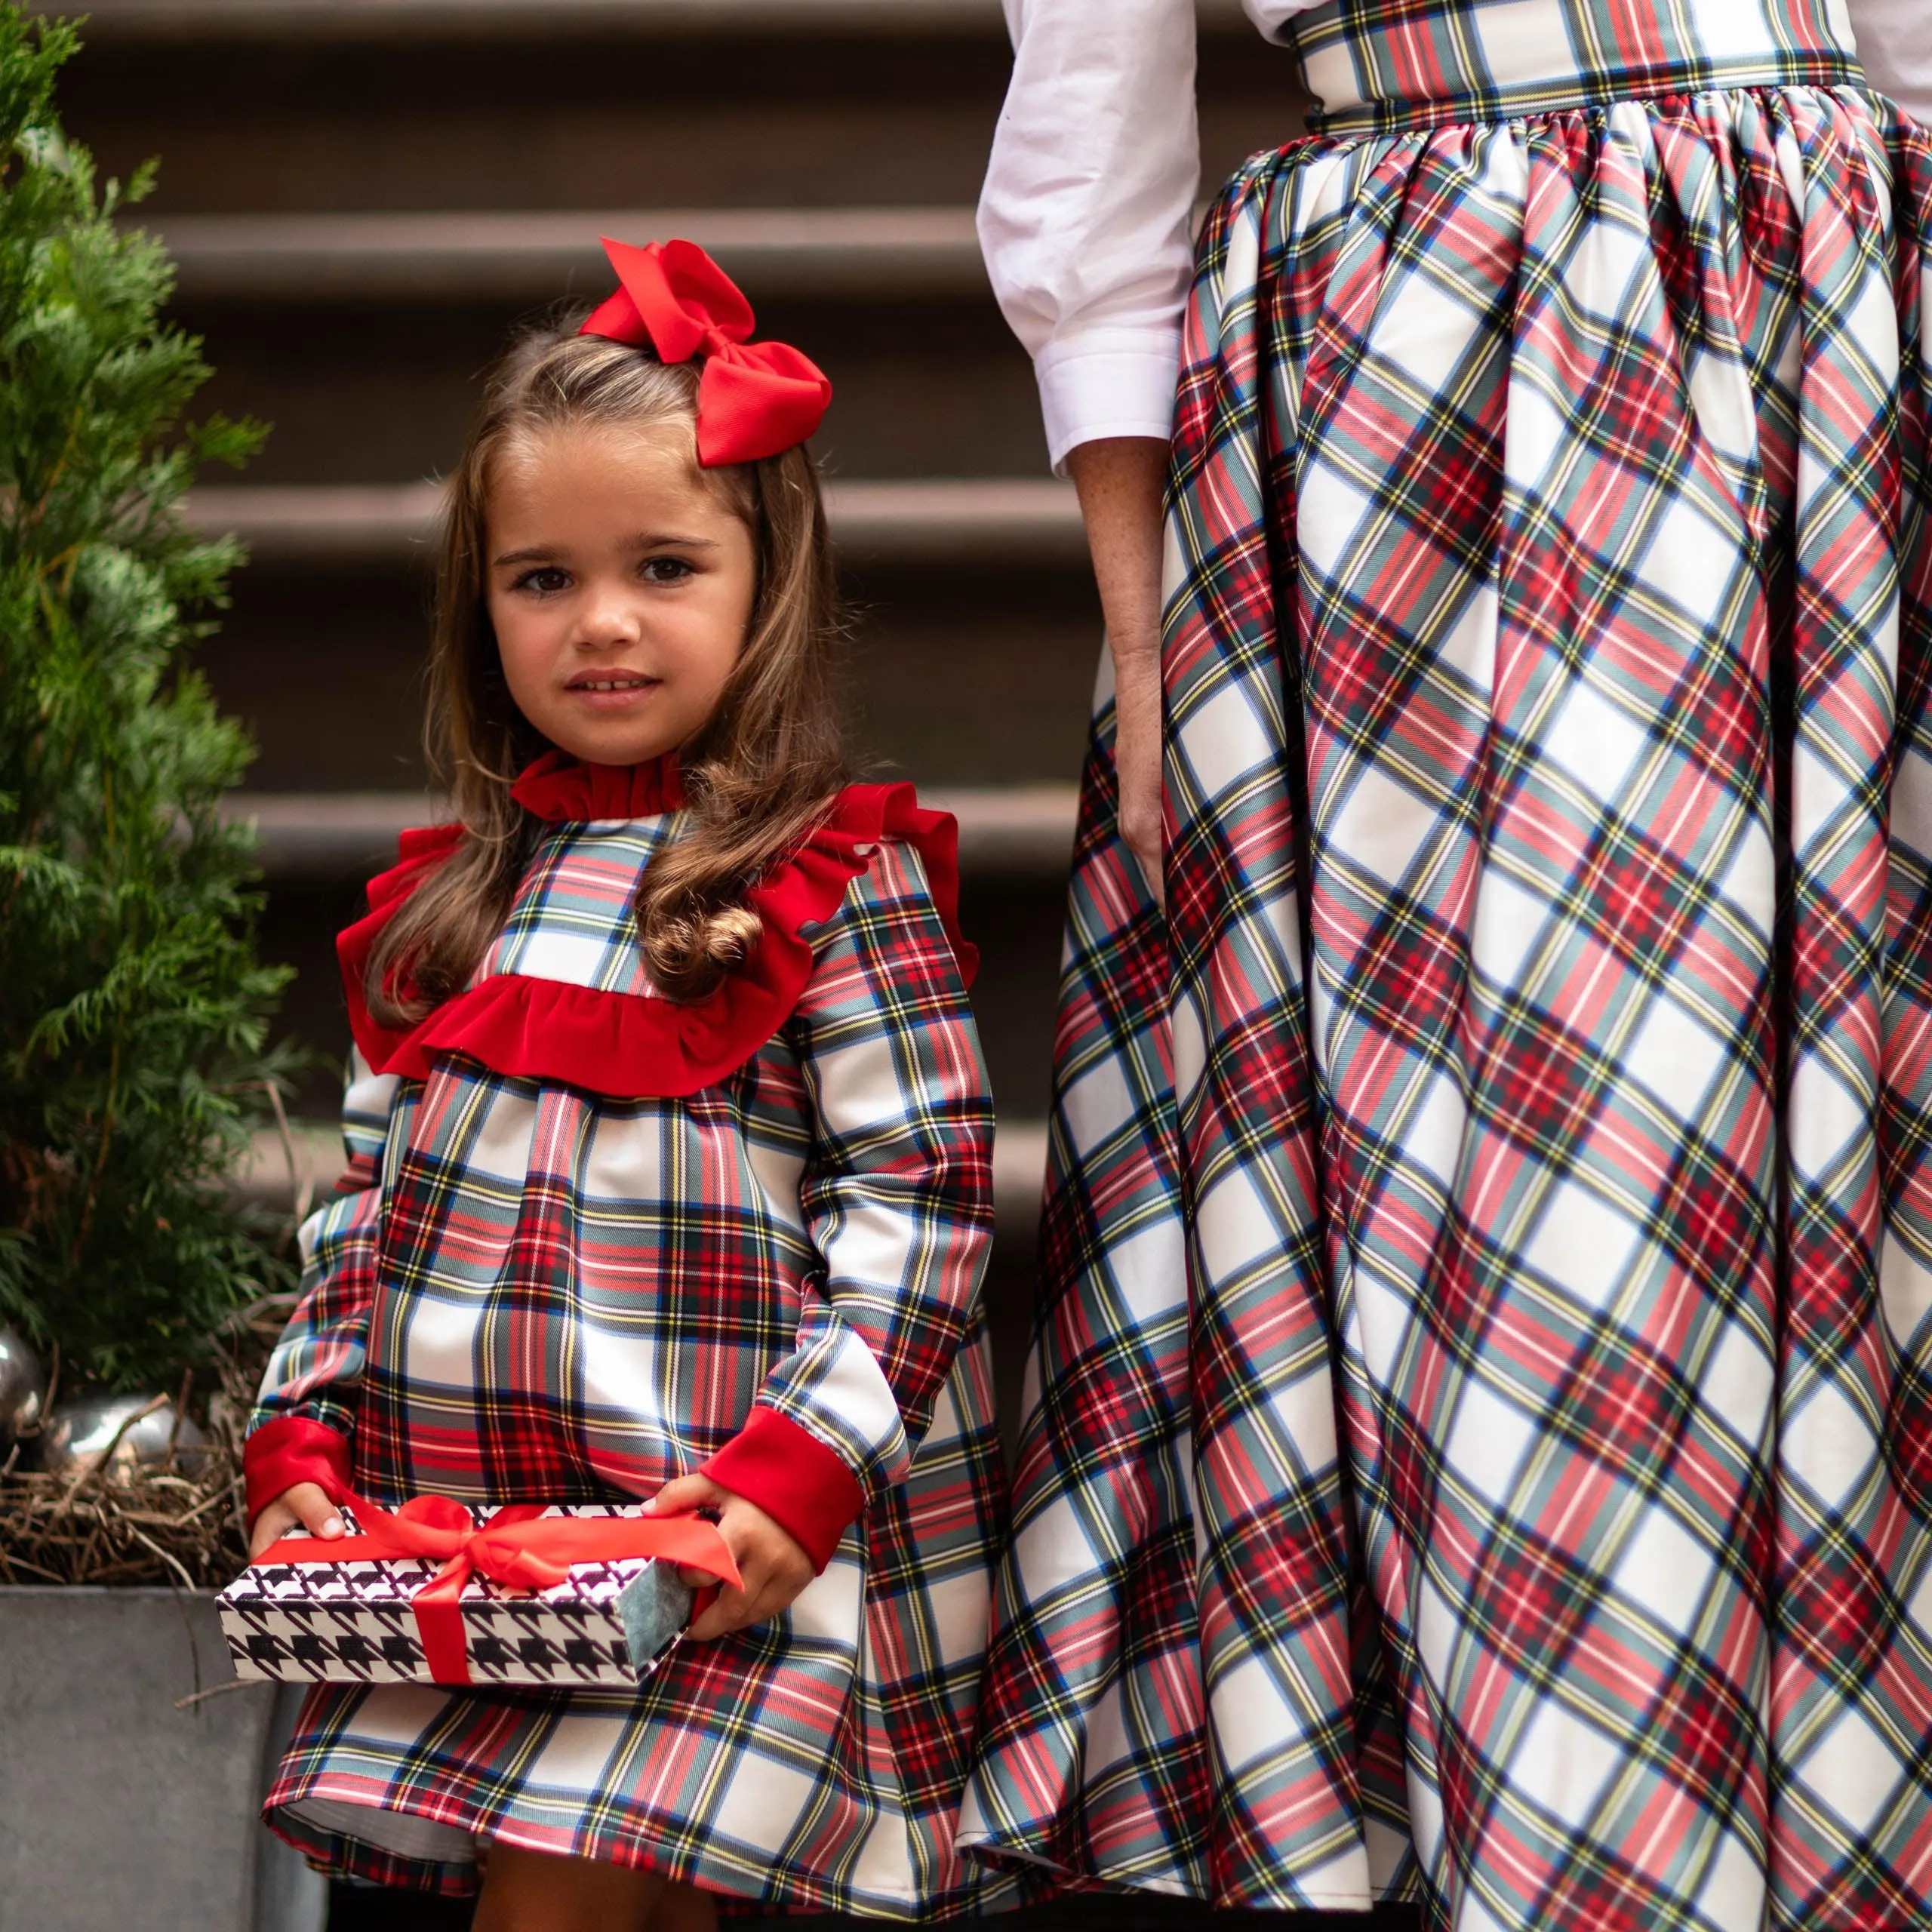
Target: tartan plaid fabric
x=1525, y=1501
x=1382, y=64
x=536, y=1293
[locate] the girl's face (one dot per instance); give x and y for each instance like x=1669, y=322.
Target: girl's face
x=620, y=585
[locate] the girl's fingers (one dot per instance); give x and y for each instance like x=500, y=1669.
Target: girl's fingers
x=772, y=1569
x=305, y=1506
x=766, y=1596
x=734, y=1609
x=314, y=1511
x=676, y=1498
x=730, y=1612
x=275, y=1521
x=767, y=1605
x=686, y=1492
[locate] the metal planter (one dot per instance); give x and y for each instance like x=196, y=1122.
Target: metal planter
x=121, y=1806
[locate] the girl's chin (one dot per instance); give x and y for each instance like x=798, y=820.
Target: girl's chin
x=611, y=745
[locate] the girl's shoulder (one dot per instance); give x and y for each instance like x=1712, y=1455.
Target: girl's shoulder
x=420, y=849
x=876, y=862
x=877, y=847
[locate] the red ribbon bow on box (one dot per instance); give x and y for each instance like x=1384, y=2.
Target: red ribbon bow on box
x=518, y=1547
x=754, y=399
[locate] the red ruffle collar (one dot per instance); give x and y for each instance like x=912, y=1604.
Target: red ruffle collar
x=568, y=791
x=631, y=1046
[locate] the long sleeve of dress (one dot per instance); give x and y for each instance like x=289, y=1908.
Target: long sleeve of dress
x=305, y=1411
x=897, y=1196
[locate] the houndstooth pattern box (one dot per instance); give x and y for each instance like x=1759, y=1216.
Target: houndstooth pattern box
x=363, y=1620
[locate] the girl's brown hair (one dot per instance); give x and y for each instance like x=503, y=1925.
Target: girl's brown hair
x=756, y=778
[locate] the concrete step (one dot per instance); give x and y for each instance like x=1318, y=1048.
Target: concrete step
x=531, y=113
x=146, y=21
x=549, y=122
x=228, y=21
x=1007, y=830
x=954, y=674
x=494, y=256
x=1011, y=520
x=382, y=392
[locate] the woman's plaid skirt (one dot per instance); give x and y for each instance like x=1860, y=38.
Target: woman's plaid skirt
x=1481, y=1447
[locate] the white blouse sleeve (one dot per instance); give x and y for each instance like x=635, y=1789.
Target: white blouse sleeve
x=1895, y=45
x=1086, y=219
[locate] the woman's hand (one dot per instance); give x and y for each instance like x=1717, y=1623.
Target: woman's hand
x=771, y=1560
x=306, y=1506
x=1137, y=754
x=1120, y=480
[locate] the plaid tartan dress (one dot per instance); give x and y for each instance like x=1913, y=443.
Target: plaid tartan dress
x=1480, y=1446
x=535, y=1291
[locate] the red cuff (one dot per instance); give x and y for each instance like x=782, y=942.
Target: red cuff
x=805, y=1488
x=290, y=1450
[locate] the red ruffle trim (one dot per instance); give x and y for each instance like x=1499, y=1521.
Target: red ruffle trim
x=290, y=1450
x=420, y=850
x=629, y=1045
x=567, y=791
x=804, y=1488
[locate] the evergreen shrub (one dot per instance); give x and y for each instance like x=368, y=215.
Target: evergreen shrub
x=133, y=1009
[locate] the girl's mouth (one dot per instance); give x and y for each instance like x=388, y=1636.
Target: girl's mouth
x=611, y=692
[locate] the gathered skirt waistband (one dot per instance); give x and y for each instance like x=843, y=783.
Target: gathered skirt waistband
x=1380, y=66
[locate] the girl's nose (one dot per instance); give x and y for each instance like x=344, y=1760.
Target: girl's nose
x=608, y=618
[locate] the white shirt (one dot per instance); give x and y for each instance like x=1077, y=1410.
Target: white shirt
x=1895, y=47
x=1086, y=217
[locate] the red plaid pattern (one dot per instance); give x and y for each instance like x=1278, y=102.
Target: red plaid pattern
x=1521, y=1498
x=1386, y=65
x=533, y=1292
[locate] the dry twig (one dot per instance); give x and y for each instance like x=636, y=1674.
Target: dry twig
x=180, y=1524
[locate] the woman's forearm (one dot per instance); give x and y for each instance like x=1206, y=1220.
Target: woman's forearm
x=1120, y=481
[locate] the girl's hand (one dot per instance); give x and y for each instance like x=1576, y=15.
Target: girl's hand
x=306, y=1506
x=769, y=1559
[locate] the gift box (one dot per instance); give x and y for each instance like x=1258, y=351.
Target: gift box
x=437, y=1593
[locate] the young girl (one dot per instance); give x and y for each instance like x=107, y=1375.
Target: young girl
x=670, y=1176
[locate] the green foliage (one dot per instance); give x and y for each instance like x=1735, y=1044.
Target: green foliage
x=134, y=1010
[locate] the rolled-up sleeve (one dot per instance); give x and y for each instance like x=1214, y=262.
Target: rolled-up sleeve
x=1086, y=219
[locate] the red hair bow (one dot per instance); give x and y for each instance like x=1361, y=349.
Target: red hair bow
x=754, y=399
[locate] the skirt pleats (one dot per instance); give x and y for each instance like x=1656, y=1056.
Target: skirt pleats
x=1480, y=1434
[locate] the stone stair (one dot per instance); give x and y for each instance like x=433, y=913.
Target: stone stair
x=363, y=195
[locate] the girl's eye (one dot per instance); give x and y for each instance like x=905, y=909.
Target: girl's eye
x=545, y=580
x=666, y=569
